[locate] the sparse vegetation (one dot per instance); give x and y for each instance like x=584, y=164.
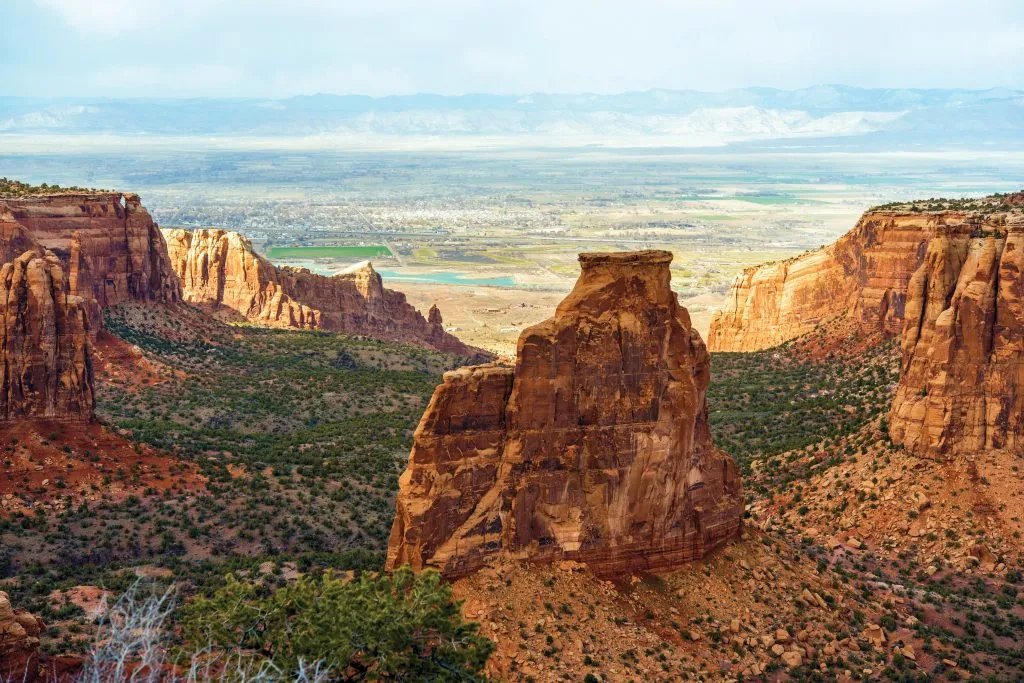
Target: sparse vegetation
x=16, y=188
x=402, y=626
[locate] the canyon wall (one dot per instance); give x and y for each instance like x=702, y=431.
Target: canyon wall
x=111, y=248
x=45, y=368
x=595, y=447
x=220, y=270
x=865, y=274
x=963, y=345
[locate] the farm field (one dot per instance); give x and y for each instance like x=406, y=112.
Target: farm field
x=504, y=226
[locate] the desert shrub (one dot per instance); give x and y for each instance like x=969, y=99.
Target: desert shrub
x=404, y=626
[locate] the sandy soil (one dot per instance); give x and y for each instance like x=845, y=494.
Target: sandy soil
x=493, y=317
x=52, y=462
x=489, y=317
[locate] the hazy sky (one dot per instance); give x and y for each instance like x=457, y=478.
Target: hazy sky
x=279, y=48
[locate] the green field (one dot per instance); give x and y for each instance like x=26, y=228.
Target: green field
x=329, y=252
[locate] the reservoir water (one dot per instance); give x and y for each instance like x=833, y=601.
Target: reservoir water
x=440, y=277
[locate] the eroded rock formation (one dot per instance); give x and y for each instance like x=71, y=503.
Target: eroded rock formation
x=963, y=345
x=14, y=241
x=219, y=269
x=109, y=244
x=45, y=369
x=594, y=447
x=19, y=643
x=865, y=273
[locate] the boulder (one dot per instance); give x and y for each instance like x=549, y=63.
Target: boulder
x=19, y=643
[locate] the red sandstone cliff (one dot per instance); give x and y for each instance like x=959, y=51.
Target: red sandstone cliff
x=219, y=269
x=111, y=248
x=45, y=369
x=864, y=273
x=62, y=258
x=963, y=345
x=594, y=448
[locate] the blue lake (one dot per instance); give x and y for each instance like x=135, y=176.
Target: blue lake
x=449, y=278
x=440, y=277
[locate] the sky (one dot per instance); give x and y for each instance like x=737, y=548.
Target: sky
x=277, y=48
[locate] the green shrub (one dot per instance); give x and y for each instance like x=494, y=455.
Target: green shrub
x=404, y=626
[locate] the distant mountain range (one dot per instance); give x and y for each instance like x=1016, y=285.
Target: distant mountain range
x=948, y=117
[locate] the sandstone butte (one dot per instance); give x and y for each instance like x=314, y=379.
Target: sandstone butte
x=111, y=248
x=220, y=270
x=45, y=368
x=946, y=281
x=594, y=448
x=62, y=258
x=865, y=273
x=962, y=383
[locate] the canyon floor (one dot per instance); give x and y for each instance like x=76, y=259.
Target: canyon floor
x=493, y=317
x=275, y=453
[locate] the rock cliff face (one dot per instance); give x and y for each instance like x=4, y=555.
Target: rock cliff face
x=594, y=448
x=865, y=273
x=45, y=368
x=19, y=643
x=962, y=387
x=219, y=269
x=14, y=241
x=109, y=244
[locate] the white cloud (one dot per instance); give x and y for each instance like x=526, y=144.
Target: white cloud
x=131, y=79
x=113, y=17
x=284, y=47
x=365, y=79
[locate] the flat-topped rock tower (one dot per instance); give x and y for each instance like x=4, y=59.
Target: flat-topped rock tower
x=595, y=447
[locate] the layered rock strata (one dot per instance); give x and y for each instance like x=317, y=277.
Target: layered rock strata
x=595, y=447
x=865, y=274
x=220, y=269
x=109, y=244
x=962, y=386
x=45, y=366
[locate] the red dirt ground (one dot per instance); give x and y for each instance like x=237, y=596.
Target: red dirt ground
x=49, y=461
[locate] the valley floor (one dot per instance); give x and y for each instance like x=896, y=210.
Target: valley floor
x=273, y=454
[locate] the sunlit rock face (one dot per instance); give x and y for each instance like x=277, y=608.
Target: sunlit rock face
x=594, y=447
x=221, y=270
x=864, y=274
x=111, y=248
x=45, y=368
x=963, y=345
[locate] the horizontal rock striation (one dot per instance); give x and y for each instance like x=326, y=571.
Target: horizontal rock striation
x=865, y=273
x=219, y=269
x=595, y=447
x=108, y=243
x=963, y=345
x=45, y=368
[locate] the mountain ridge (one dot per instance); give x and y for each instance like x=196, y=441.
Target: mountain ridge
x=946, y=115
